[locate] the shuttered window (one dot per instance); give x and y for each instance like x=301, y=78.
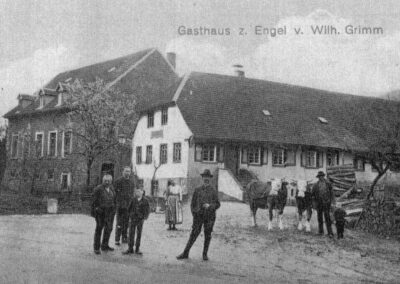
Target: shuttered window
x=312, y=159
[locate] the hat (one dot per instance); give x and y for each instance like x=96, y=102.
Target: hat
x=320, y=174
x=206, y=173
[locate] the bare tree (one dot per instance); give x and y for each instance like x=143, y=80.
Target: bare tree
x=97, y=117
x=379, y=125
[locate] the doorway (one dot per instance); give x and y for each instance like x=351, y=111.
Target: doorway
x=232, y=154
x=107, y=169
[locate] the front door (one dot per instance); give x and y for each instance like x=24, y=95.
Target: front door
x=232, y=158
x=107, y=169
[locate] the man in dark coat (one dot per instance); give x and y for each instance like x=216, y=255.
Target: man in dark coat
x=203, y=206
x=139, y=210
x=124, y=188
x=323, y=194
x=103, y=210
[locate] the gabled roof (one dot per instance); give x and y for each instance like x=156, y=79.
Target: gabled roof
x=107, y=70
x=232, y=108
x=146, y=69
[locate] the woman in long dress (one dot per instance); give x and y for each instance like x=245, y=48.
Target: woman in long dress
x=173, y=212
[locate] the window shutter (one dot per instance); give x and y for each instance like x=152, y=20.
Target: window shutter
x=303, y=158
x=264, y=156
x=197, y=153
x=320, y=159
x=244, y=155
x=220, y=153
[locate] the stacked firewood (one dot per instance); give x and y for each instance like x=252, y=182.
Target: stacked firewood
x=380, y=216
x=342, y=177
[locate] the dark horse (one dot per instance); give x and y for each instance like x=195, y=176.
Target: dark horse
x=271, y=195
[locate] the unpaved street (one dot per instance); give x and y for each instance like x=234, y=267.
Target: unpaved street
x=58, y=249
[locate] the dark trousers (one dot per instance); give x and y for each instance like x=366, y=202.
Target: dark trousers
x=104, y=223
x=340, y=229
x=200, y=220
x=323, y=211
x=136, y=227
x=122, y=224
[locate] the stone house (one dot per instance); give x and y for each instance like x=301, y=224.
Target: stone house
x=40, y=148
x=232, y=123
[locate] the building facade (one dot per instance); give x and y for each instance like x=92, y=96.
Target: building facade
x=232, y=124
x=41, y=146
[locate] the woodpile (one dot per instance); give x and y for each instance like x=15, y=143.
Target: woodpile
x=380, y=216
x=342, y=177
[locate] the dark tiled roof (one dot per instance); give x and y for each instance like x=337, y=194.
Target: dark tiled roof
x=154, y=73
x=228, y=107
x=107, y=71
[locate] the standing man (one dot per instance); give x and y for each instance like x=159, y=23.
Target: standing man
x=203, y=206
x=103, y=210
x=325, y=198
x=124, y=188
x=139, y=210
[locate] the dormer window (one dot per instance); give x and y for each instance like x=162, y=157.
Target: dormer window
x=323, y=120
x=266, y=112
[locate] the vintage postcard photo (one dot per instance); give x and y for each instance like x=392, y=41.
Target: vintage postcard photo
x=200, y=141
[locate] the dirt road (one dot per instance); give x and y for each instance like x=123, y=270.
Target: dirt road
x=58, y=249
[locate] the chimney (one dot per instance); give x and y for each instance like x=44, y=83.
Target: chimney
x=239, y=70
x=171, y=57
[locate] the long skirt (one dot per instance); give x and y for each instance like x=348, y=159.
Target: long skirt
x=173, y=212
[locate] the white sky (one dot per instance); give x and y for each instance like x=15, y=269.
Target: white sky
x=43, y=38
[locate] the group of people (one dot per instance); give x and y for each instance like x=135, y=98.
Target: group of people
x=132, y=208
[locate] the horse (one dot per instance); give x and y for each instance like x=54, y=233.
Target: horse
x=271, y=195
x=304, y=202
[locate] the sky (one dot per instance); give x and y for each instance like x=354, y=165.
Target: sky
x=40, y=39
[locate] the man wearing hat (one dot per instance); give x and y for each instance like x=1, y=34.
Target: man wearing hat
x=323, y=194
x=203, y=206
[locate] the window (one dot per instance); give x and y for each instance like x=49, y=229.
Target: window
x=164, y=116
x=359, y=164
x=65, y=181
x=208, y=153
x=39, y=144
x=50, y=174
x=41, y=102
x=138, y=155
x=332, y=158
x=283, y=157
x=253, y=155
x=312, y=159
x=52, y=144
x=14, y=146
x=163, y=154
x=67, y=143
x=177, y=153
x=150, y=119
x=149, y=154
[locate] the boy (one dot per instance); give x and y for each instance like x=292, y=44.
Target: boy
x=138, y=210
x=339, y=215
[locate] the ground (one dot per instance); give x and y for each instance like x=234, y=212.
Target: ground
x=58, y=249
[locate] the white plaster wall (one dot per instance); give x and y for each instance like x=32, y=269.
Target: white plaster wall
x=176, y=131
x=228, y=185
